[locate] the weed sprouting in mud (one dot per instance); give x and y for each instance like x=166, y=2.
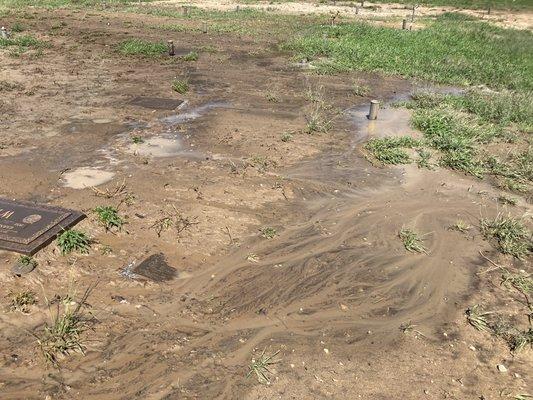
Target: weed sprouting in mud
x=460, y=226
x=137, y=139
x=390, y=150
x=478, y=318
x=360, y=89
x=412, y=241
x=27, y=261
x=180, y=86
x=22, y=301
x=424, y=158
x=268, y=232
x=507, y=200
x=510, y=235
x=62, y=335
x=173, y=219
x=273, y=98
x=72, y=240
x=286, y=137
x=109, y=217
x=191, y=56
x=260, y=367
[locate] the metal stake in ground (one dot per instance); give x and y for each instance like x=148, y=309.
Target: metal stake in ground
x=404, y=24
x=170, y=47
x=413, y=14
x=204, y=27
x=374, y=107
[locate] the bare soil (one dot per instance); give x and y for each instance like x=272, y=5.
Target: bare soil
x=330, y=291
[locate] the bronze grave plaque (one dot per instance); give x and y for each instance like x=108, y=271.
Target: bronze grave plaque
x=27, y=227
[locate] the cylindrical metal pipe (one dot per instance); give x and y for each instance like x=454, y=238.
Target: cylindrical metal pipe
x=356, y=10
x=374, y=107
x=404, y=24
x=170, y=48
x=204, y=27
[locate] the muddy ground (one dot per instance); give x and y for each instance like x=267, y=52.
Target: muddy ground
x=331, y=291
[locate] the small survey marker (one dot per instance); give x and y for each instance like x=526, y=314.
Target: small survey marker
x=156, y=103
x=27, y=227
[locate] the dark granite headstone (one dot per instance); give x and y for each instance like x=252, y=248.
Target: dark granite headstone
x=155, y=268
x=27, y=227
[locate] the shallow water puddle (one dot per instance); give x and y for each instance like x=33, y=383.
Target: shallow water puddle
x=86, y=177
x=193, y=113
x=157, y=147
x=390, y=122
x=156, y=103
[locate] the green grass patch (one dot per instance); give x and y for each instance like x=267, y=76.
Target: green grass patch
x=143, y=48
x=191, y=56
x=391, y=150
x=509, y=234
x=451, y=49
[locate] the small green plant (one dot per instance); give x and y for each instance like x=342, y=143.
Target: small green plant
x=424, y=158
x=360, y=90
x=73, y=240
x=520, y=281
x=510, y=235
x=272, y=97
x=27, y=261
x=286, y=137
x=478, y=318
x=191, y=56
x=261, y=163
x=63, y=334
x=268, y=232
x=138, y=47
x=109, y=217
x=21, y=301
x=411, y=241
x=460, y=226
x=506, y=200
x=180, y=85
x=260, y=366
x=137, y=139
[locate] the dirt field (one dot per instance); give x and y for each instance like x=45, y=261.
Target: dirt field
x=347, y=310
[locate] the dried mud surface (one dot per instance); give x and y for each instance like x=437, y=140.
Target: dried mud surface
x=329, y=291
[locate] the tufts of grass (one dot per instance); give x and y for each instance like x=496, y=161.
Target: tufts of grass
x=272, y=97
x=520, y=281
x=191, y=56
x=138, y=47
x=180, y=85
x=62, y=335
x=390, y=150
x=109, y=217
x=17, y=27
x=72, y=240
x=260, y=366
x=21, y=301
x=510, y=235
x=424, y=159
x=460, y=226
x=412, y=241
x=27, y=261
x=268, y=232
x=137, y=139
x=506, y=200
x=286, y=137
x=478, y=318
x=360, y=90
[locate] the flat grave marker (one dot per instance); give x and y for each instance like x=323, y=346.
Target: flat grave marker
x=26, y=227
